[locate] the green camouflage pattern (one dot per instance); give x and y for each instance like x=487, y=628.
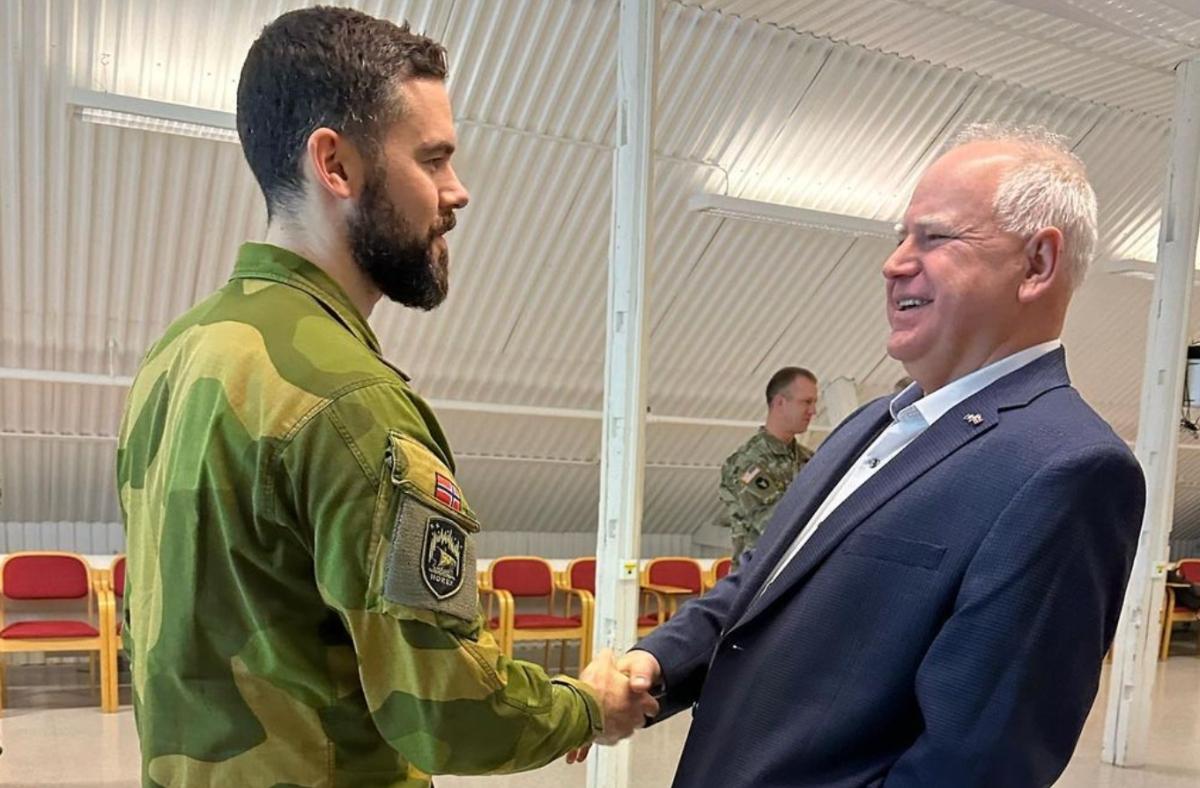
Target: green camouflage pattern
x=301, y=606
x=753, y=479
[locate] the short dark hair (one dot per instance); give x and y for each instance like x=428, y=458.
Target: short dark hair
x=784, y=377
x=323, y=67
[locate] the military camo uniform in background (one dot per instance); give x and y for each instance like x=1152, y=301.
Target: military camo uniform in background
x=753, y=479
x=302, y=605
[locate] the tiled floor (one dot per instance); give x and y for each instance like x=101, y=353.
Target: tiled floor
x=51, y=738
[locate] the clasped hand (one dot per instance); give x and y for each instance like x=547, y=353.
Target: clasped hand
x=623, y=688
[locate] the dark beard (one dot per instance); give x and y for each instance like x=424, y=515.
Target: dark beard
x=401, y=264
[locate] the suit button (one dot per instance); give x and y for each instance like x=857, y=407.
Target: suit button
x=736, y=647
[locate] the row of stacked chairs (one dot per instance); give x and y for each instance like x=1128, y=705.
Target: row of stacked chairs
x=51, y=576
x=664, y=583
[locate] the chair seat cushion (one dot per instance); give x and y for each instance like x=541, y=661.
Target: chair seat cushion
x=648, y=621
x=29, y=630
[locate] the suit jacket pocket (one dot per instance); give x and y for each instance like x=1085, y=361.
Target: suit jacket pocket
x=895, y=549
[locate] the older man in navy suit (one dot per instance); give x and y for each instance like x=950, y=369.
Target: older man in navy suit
x=931, y=602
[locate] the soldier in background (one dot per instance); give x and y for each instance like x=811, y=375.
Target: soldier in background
x=302, y=604
x=754, y=477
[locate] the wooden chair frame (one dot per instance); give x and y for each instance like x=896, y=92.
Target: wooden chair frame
x=710, y=574
x=1171, y=618
x=99, y=614
x=512, y=634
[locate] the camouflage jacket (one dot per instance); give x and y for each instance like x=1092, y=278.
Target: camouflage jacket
x=302, y=606
x=753, y=479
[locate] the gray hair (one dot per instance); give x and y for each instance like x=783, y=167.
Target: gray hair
x=1049, y=188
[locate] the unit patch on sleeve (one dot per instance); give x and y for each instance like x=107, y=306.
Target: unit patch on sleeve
x=442, y=557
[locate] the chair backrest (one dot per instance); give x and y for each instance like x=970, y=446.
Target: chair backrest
x=523, y=576
x=721, y=567
x=581, y=574
x=45, y=576
x=118, y=576
x=679, y=572
x=1189, y=570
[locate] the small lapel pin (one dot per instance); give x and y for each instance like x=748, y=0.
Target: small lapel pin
x=973, y=418
x=873, y=462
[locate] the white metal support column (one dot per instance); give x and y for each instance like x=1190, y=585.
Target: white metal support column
x=618, y=544
x=839, y=398
x=1136, y=647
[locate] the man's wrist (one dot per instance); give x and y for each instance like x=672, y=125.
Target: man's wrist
x=593, y=711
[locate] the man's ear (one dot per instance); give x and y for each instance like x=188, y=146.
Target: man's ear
x=335, y=163
x=1043, y=263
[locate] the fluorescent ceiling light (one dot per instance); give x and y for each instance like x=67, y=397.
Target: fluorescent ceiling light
x=131, y=112
x=1137, y=269
x=774, y=213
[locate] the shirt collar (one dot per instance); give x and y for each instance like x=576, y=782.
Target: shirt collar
x=910, y=403
x=273, y=263
x=776, y=445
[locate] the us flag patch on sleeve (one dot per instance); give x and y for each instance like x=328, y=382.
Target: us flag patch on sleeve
x=751, y=473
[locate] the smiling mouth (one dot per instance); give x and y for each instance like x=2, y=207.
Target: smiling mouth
x=905, y=304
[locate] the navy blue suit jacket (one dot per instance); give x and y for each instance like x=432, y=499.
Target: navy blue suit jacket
x=944, y=626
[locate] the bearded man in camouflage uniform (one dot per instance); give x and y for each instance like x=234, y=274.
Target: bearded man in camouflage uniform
x=302, y=605
x=755, y=477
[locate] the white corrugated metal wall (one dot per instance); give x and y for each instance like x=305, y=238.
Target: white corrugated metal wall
x=105, y=234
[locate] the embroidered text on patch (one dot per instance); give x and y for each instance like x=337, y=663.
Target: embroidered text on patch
x=445, y=491
x=442, y=557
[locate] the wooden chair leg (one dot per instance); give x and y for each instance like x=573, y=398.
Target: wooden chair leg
x=1166, y=638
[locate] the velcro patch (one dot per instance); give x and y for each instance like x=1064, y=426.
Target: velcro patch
x=430, y=561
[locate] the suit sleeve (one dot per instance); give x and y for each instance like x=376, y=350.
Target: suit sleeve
x=397, y=567
x=1008, y=681
x=684, y=645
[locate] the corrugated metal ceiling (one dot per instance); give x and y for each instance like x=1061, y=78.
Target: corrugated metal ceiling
x=105, y=234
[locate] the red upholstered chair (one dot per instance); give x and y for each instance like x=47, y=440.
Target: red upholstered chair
x=579, y=579
x=580, y=574
x=529, y=577
x=675, y=577
x=46, y=576
x=720, y=568
x=1189, y=570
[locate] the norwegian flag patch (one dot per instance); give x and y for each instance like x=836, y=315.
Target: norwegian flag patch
x=446, y=492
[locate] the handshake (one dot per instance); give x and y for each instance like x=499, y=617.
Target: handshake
x=623, y=688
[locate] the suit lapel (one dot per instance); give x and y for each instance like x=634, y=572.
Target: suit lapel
x=966, y=421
